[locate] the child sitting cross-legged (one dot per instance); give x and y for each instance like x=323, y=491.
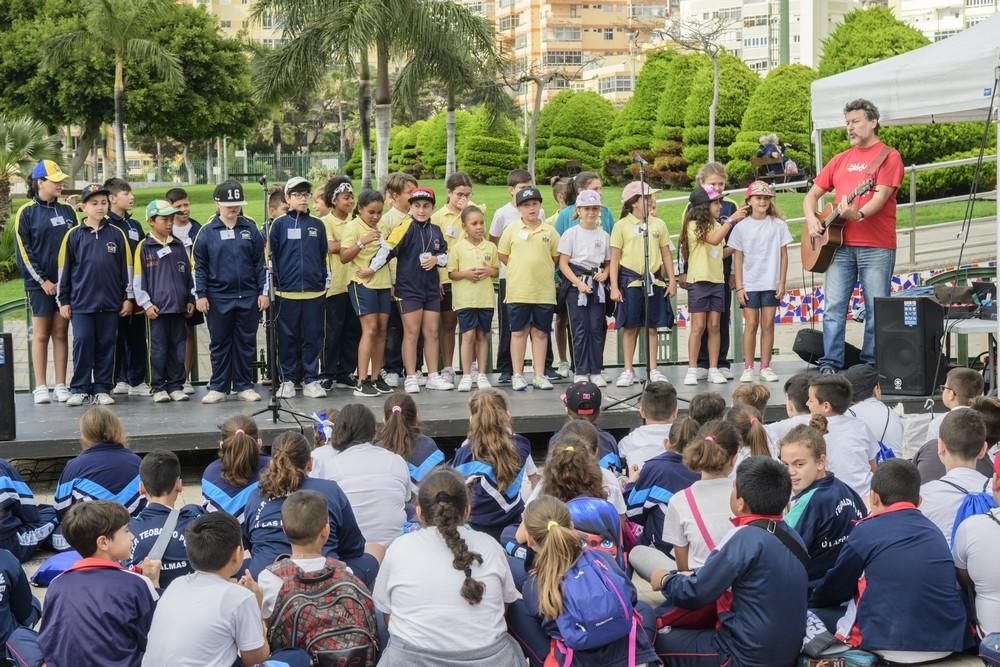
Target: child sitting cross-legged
x=658, y=409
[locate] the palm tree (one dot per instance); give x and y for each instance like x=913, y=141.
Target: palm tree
x=116, y=28
x=23, y=142
x=341, y=29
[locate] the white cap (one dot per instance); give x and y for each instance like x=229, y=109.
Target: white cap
x=588, y=198
x=294, y=182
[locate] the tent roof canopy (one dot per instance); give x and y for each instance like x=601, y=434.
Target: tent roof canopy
x=948, y=81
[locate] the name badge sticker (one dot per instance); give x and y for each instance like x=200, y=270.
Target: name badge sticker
x=453, y=232
x=187, y=242
x=227, y=234
x=162, y=252
x=133, y=234
x=294, y=233
x=57, y=221
x=523, y=235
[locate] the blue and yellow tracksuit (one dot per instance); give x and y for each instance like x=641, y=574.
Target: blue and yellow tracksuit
x=406, y=243
x=39, y=228
x=162, y=277
x=229, y=272
x=94, y=280
x=298, y=248
x=130, y=347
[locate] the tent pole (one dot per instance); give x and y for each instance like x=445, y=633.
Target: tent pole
x=996, y=224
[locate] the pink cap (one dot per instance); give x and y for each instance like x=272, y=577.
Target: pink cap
x=636, y=188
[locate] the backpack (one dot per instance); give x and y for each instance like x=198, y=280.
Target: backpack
x=595, y=610
x=972, y=504
x=329, y=613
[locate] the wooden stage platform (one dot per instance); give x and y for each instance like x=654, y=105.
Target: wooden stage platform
x=51, y=431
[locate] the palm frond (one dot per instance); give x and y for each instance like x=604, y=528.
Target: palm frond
x=58, y=48
x=23, y=142
x=298, y=64
x=163, y=62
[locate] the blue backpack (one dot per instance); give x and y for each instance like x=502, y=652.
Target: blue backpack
x=596, y=611
x=972, y=504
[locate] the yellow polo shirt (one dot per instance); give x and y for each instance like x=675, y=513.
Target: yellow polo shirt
x=450, y=224
x=464, y=255
x=354, y=231
x=530, y=254
x=340, y=273
x=626, y=237
x=704, y=262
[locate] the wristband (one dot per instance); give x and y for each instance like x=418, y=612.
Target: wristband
x=361, y=244
x=741, y=289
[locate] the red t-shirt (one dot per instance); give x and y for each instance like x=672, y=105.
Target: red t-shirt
x=845, y=172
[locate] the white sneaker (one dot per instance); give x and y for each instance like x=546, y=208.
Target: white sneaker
x=188, y=388
x=716, y=377
x=466, y=383
x=702, y=373
x=178, y=395
x=541, y=382
x=391, y=379
x=213, y=396
x=438, y=382
x=140, y=390
x=518, y=383
x=727, y=372
x=448, y=375
x=599, y=380
x=248, y=395
x=747, y=375
x=691, y=377
x=411, y=385
x=313, y=390
x=161, y=397
x=474, y=369
x=421, y=379
x=76, y=400
x=104, y=399
x=121, y=389
x=483, y=382
x=61, y=392
x=286, y=390
x=563, y=369
x=656, y=376
x=626, y=379
x=580, y=378
x=768, y=375
x=41, y=395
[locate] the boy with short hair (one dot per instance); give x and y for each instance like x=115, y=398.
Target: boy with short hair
x=961, y=442
x=583, y=401
x=753, y=394
x=96, y=613
x=162, y=283
x=161, y=484
x=277, y=204
x=895, y=566
x=658, y=409
x=707, y=406
x=796, y=397
x=398, y=187
x=761, y=564
x=851, y=447
x=186, y=229
x=869, y=408
x=961, y=385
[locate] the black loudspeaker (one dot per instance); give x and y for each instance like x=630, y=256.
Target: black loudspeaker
x=908, y=333
x=8, y=425
x=809, y=346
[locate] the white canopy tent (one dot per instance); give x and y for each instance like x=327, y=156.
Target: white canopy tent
x=949, y=81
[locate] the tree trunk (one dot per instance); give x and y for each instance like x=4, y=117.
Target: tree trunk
x=449, y=165
x=4, y=200
x=364, y=116
x=383, y=111
x=276, y=141
x=189, y=167
x=84, y=148
x=340, y=131
x=533, y=125
x=119, y=117
x=209, y=176
x=159, y=162
x=712, y=107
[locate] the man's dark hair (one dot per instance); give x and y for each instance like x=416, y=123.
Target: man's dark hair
x=833, y=389
x=211, y=540
x=797, y=391
x=764, y=485
x=116, y=185
x=659, y=401
x=303, y=515
x=517, y=176
x=988, y=408
x=174, y=195
x=707, y=406
x=159, y=472
x=85, y=522
x=897, y=481
x=963, y=433
x=965, y=383
x=860, y=104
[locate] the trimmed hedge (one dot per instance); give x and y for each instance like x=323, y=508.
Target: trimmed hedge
x=669, y=163
x=952, y=180
x=577, y=133
x=488, y=153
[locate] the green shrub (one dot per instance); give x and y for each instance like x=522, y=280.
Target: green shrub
x=487, y=152
x=8, y=264
x=397, y=139
x=951, y=181
x=669, y=127
x=867, y=36
x=546, y=117
x=577, y=132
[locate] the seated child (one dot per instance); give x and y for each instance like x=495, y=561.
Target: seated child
x=761, y=564
x=206, y=618
x=97, y=614
x=752, y=394
x=975, y=551
x=658, y=409
x=228, y=481
x=869, y=408
x=894, y=563
x=747, y=422
x=961, y=442
x=851, y=447
x=961, y=385
x=796, y=397
x=24, y=523
x=19, y=612
x=929, y=463
x=583, y=402
x=707, y=406
x=581, y=432
x=462, y=570
x=160, y=472
x=823, y=509
x=400, y=434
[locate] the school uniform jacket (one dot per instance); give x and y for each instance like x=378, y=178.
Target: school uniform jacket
x=659, y=479
x=162, y=276
x=19, y=517
x=607, y=450
x=823, y=515
x=424, y=457
x=95, y=269
x=229, y=263
x=490, y=505
x=764, y=619
x=130, y=228
x=146, y=528
x=221, y=496
x=39, y=228
x=892, y=562
x=15, y=602
x=105, y=471
x=297, y=243
x=406, y=243
x=263, y=533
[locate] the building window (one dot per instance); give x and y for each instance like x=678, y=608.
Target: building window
x=609, y=34
x=754, y=21
x=620, y=83
x=565, y=34
x=551, y=58
x=508, y=23
x=979, y=3
x=796, y=38
x=945, y=34
x=648, y=11
x=503, y=4
x=226, y=24
x=757, y=65
x=973, y=21
x=751, y=42
x=520, y=42
x=572, y=11
x=268, y=43
x=558, y=83
x=731, y=13
x=267, y=21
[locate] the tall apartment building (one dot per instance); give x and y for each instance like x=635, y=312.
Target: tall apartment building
x=234, y=18
x=939, y=19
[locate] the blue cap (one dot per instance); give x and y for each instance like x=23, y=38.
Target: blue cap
x=48, y=170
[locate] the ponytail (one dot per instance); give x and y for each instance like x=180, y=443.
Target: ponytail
x=239, y=451
x=489, y=435
x=400, y=426
x=682, y=431
x=572, y=471
x=819, y=423
x=548, y=522
x=746, y=420
x=289, y=460
x=444, y=501
x=712, y=449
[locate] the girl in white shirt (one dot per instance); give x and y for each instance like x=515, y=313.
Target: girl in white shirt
x=445, y=588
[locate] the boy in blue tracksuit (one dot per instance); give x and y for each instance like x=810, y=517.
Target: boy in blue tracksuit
x=186, y=229
x=24, y=524
x=898, y=574
x=230, y=285
x=756, y=577
x=95, y=290
x=130, y=347
x=658, y=480
x=162, y=283
x=298, y=247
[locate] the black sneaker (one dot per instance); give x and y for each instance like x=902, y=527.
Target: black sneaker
x=326, y=383
x=552, y=374
x=504, y=378
x=382, y=387
x=366, y=390
x=346, y=383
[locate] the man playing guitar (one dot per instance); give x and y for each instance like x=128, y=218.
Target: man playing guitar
x=869, y=250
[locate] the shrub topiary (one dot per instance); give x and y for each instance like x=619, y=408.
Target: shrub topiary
x=669, y=163
x=577, y=133
x=488, y=153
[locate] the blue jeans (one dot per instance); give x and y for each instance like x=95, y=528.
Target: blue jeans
x=873, y=268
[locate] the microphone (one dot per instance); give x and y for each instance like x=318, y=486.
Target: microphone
x=638, y=159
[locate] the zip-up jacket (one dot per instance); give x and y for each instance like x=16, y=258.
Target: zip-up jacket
x=95, y=269
x=892, y=562
x=39, y=228
x=19, y=515
x=192, y=235
x=659, y=479
x=130, y=227
x=146, y=528
x=424, y=457
x=297, y=243
x=229, y=263
x=607, y=450
x=105, y=471
x=492, y=506
x=162, y=276
x=406, y=243
x=16, y=600
x=218, y=495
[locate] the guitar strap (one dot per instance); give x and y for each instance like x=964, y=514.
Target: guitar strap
x=879, y=159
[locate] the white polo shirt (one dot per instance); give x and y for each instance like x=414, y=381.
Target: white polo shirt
x=939, y=500
x=850, y=445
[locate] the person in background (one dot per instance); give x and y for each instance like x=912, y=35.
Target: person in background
x=658, y=409
x=231, y=478
x=796, y=397
x=975, y=548
x=961, y=385
x=869, y=407
x=929, y=463
x=769, y=148
x=397, y=191
x=851, y=447
x=186, y=229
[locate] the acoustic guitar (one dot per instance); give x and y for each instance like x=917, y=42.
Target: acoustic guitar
x=818, y=252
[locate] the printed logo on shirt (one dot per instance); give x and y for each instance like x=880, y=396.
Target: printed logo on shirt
x=856, y=166
x=245, y=235
x=313, y=232
x=182, y=267
x=436, y=245
x=112, y=247
x=545, y=238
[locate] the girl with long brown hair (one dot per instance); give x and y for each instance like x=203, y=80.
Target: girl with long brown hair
x=400, y=434
x=228, y=480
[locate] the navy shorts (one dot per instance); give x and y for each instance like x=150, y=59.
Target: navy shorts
x=562, y=293
x=706, y=297
x=470, y=319
x=195, y=319
x=430, y=302
x=446, y=299
x=538, y=315
x=761, y=299
x=629, y=314
x=367, y=301
x=42, y=305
